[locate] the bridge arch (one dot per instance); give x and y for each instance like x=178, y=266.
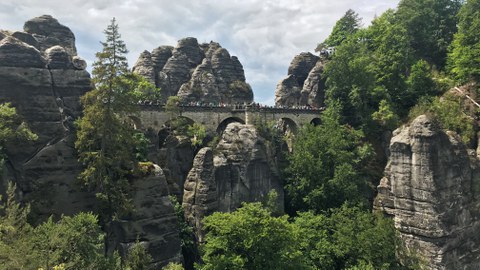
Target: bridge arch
x=179, y=121
x=179, y=124
x=316, y=121
x=223, y=125
x=287, y=125
x=136, y=122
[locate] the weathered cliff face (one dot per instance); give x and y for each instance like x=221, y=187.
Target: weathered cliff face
x=39, y=76
x=431, y=187
x=196, y=72
x=154, y=222
x=239, y=169
x=303, y=86
x=176, y=159
x=43, y=78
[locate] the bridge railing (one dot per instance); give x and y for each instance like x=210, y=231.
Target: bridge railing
x=254, y=107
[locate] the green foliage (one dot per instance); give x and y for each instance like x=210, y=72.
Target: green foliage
x=272, y=203
x=392, y=57
x=347, y=237
x=327, y=166
x=197, y=133
x=420, y=82
x=430, y=26
x=350, y=82
x=12, y=129
x=449, y=113
x=187, y=237
x=386, y=116
x=77, y=242
x=72, y=242
x=180, y=125
x=250, y=238
x=15, y=247
x=105, y=143
x=141, y=146
x=172, y=106
x=268, y=130
x=464, y=59
x=390, y=60
x=344, y=28
x=137, y=258
x=173, y=266
x=143, y=89
x=214, y=142
x=343, y=238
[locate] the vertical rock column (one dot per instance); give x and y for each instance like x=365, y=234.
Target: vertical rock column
x=429, y=189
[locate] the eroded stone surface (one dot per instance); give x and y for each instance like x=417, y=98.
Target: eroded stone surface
x=196, y=72
x=431, y=189
x=304, y=85
x=153, y=223
x=49, y=32
x=239, y=169
x=45, y=84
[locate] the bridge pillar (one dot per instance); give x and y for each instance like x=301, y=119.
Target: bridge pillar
x=249, y=115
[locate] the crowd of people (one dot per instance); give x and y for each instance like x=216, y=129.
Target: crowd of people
x=235, y=106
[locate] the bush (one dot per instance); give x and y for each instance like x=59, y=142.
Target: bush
x=449, y=113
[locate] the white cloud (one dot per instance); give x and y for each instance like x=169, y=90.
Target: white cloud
x=265, y=35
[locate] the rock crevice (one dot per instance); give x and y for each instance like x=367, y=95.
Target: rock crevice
x=239, y=169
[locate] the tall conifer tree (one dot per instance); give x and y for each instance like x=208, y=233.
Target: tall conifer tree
x=105, y=141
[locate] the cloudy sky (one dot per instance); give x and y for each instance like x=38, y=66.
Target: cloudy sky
x=264, y=34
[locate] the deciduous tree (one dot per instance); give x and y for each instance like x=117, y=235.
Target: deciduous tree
x=464, y=59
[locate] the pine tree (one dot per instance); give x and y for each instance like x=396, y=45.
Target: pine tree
x=105, y=140
x=344, y=27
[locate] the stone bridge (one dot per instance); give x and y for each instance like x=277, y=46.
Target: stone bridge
x=154, y=118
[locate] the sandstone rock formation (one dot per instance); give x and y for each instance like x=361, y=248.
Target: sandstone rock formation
x=176, y=159
x=43, y=78
x=239, y=169
x=48, y=32
x=196, y=72
x=303, y=86
x=154, y=222
x=431, y=187
x=38, y=77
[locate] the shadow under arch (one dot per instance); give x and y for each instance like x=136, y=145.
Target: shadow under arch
x=177, y=125
x=223, y=125
x=136, y=122
x=179, y=121
x=162, y=136
x=287, y=125
x=316, y=121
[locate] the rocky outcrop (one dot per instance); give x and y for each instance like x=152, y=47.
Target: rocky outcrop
x=43, y=78
x=304, y=85
x=38, y=77
x=144, y=67
x=431, y=187
x=153, y=223
x=48, y=32
x=239, y=169
x=15, y=53
x=196, y=72
x=313, y=90
x=176, y=158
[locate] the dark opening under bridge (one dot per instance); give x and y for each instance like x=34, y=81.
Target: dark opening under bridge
x=215, y=118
